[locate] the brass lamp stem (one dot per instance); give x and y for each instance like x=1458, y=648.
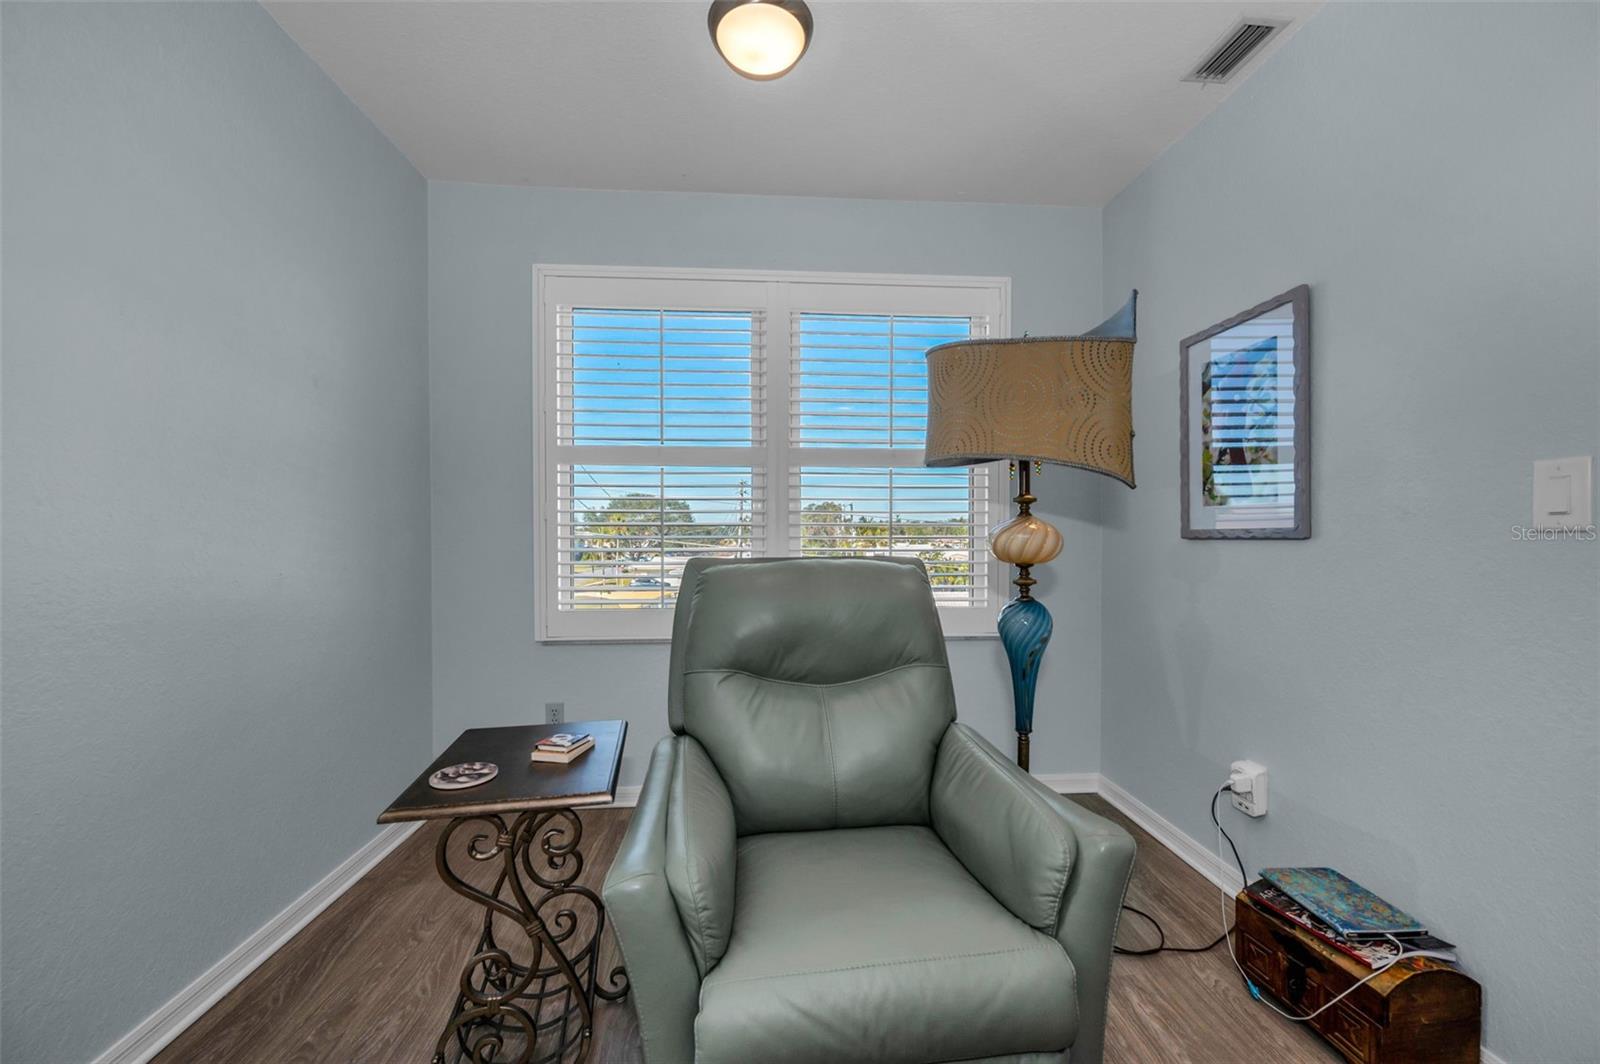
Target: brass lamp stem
x=1024, y=500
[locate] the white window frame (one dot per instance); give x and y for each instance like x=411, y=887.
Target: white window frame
x=778, y=294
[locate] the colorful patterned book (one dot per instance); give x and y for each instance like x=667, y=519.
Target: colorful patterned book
x=1372, y=954
x=1350, y=909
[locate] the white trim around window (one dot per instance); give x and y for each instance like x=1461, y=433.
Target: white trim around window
x=737, y=412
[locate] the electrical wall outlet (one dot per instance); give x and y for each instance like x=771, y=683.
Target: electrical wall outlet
x=1249, y=782
x=555, y=712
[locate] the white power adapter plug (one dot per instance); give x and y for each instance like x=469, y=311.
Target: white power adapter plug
x=1247, y=785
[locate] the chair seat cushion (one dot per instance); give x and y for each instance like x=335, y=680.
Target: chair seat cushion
x=875, y=944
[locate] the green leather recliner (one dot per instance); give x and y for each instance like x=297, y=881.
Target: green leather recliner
x=825, y=867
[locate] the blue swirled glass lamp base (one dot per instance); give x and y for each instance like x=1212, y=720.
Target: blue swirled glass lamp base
x=1025, y=627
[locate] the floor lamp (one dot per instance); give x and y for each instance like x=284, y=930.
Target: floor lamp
x=1060, y=399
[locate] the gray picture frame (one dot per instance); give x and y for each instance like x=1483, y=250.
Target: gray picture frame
x=1299, y=299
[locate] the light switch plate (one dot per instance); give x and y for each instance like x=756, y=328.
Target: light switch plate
x=1563, y=493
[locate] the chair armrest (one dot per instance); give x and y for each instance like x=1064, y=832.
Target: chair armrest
x=1007, y=835
x=664, y=981
x=993, y=828
x=1089, y=918
x=702, y=852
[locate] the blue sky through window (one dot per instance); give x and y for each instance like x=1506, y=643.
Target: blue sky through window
x=652, y=378
x=660, y=378
x=861, y=380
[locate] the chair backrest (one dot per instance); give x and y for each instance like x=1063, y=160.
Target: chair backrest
x=819, y=686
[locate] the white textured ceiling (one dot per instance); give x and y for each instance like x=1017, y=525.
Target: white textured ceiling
x=1046, y=102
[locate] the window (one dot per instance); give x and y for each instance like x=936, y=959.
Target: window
x=746, y=414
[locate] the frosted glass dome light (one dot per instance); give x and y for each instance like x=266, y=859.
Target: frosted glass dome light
x=760, y=39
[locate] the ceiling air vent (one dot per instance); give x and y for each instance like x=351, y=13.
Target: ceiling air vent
x=1230, y=53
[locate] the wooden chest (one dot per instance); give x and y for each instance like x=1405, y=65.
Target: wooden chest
x=1420, y=1010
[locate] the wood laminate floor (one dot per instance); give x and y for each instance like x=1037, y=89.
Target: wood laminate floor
x=372, y=979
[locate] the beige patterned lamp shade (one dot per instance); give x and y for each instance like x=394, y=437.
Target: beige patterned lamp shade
x=1060, y=399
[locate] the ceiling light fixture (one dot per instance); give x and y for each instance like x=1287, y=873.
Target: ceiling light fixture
x=760, y=39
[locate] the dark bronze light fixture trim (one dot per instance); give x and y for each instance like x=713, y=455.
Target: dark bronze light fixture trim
x=796, y=9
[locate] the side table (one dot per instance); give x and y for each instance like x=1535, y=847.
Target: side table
x=530, y=1000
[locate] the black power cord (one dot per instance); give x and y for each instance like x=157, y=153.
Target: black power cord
x=1161, y=944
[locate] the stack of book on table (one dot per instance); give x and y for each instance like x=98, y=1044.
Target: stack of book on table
x=563, y=747
x=1341, y=913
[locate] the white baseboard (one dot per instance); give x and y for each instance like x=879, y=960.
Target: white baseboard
x=627, y=798
x=190, y=1003
x=1070, y=782
x=1195, y=854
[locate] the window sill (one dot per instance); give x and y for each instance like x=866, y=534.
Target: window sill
x=567, y=641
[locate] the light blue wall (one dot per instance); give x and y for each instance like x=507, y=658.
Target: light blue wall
x=483, y=244
x=1422, y=686
x=216, y=661
x=217, y=492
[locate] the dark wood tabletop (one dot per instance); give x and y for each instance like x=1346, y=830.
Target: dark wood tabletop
x=521, y=783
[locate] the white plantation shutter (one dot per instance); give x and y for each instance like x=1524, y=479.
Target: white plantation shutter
x=859, y=382
x=668, y=415
x=658, y=378
x=938, y=515
x=625, y=532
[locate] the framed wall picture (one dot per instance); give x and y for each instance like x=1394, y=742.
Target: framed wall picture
x=1245, y=423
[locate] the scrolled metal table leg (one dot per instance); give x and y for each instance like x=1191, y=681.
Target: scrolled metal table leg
x=546, y=1005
